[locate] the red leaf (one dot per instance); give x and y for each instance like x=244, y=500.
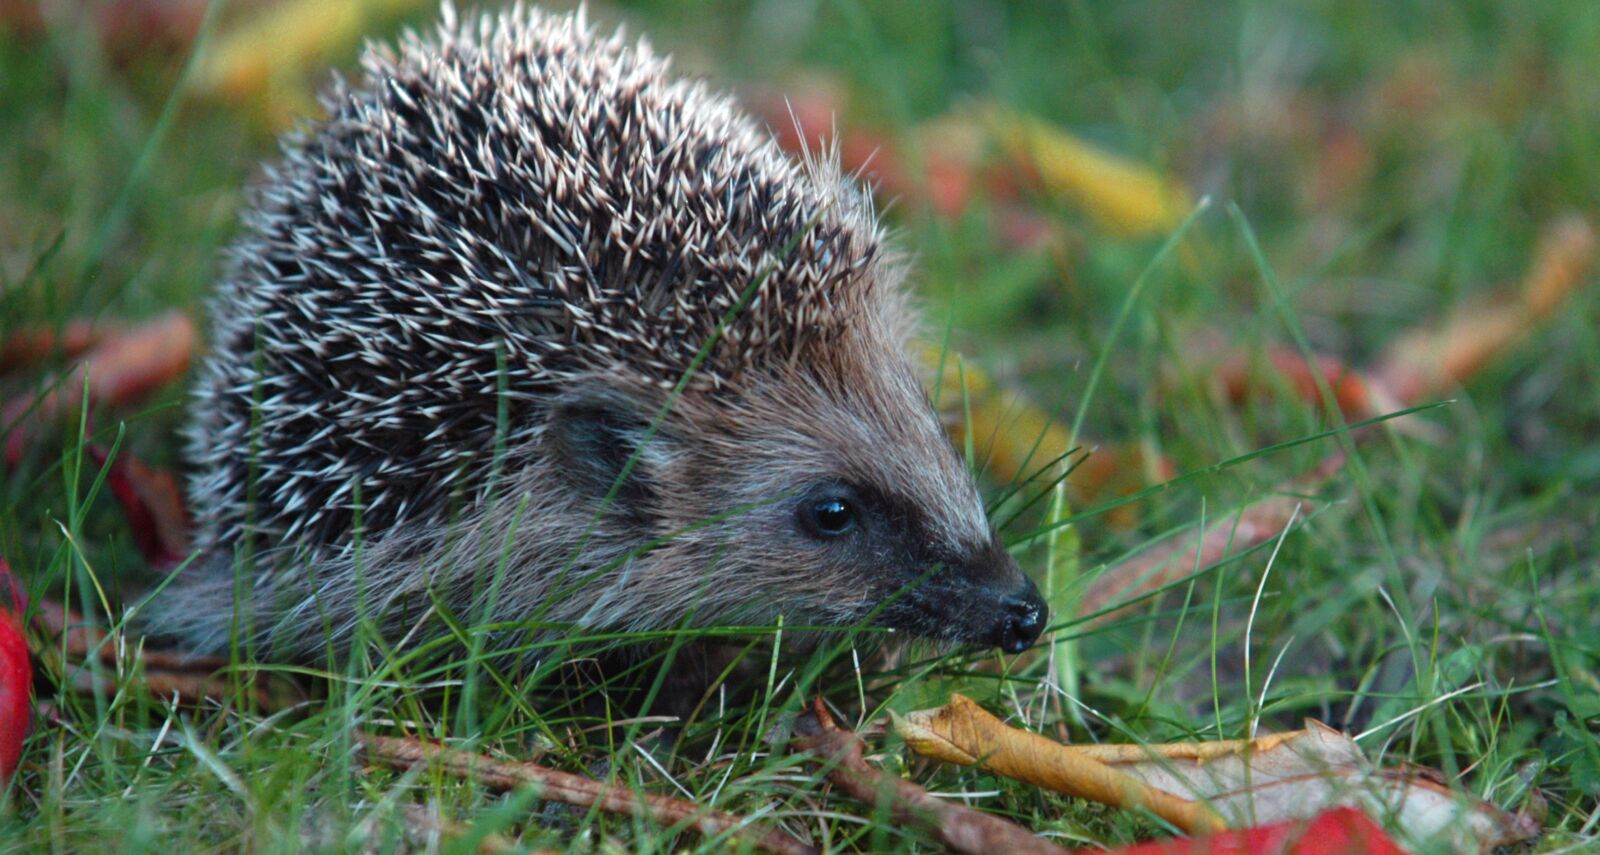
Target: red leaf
x=1350, y=389
x=34, y=344
x=1341, y=831
x=122, y=369
x=152, y=502
x=16, y=677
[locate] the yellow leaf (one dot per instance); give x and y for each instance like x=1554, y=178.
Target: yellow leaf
x=253, y=59
x=964, y=733
x=1122, y=194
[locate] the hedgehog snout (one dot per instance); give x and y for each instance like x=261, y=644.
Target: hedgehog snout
x=1002, y=607
x=1022, y=618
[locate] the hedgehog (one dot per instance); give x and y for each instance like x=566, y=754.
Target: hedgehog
x=531, y=330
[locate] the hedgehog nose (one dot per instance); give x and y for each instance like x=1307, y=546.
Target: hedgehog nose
x=1024, y=618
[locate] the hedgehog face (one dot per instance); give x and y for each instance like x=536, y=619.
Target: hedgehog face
x=880, y=542
x=831, y=504
x=882, y=517
x=840, y=502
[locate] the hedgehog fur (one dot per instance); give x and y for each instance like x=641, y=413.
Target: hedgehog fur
x=530, y=328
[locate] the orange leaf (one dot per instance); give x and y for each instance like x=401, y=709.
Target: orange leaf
x=1350, y=389
x=1428, y=362
x=964, y=733
x=1275, y=778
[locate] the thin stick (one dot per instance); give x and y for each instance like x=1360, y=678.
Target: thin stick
x=82, y=640
x=399, y=753
x=960, y=828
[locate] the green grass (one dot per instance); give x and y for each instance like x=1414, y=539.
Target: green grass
x=1468, y=559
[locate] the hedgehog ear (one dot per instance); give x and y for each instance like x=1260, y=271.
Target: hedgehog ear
x=594, y=432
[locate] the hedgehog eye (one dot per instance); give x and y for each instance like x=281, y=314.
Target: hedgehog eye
x=828, y=517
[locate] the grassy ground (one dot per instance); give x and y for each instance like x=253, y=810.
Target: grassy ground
x=1395, y=160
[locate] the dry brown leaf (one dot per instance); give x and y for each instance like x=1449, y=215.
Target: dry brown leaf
x=1281, y=777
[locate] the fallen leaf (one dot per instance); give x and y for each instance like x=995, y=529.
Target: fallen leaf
x=1350, y=390
x=152, y=502
x=1275, y=778
x=963, y=733
x=1011, y=437
x=28, y=346
x=934, y=166
x=263, y=58
x=1340, y=831
x=126, y=28
x=1342, y=170
x=1430, y=361
x=1122, y=194
x=16, y=676
x=1015, y=441
x=121, y=369
x=959, y=827
x=1020, y=228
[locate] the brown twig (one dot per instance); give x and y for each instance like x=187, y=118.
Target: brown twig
x=398, y=753
x=961, y=828
x=189, y=687
x=56, y=621
x=191, y=676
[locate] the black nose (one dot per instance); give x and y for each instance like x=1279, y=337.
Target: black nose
x=1023, y=618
